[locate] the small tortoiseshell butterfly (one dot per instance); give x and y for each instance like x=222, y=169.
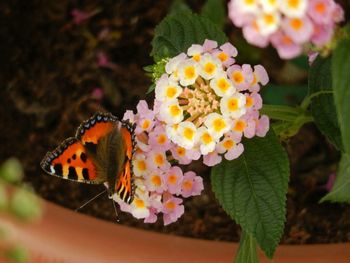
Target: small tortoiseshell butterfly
x=100, y=152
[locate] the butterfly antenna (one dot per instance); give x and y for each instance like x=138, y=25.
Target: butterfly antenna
x=90, y=200
x=115, y=210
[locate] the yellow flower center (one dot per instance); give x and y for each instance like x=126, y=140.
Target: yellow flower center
x=159, y=159
x=219, y=124
x=269, y=19
x=249, y=101
x=238, y=77
x=187, y=184
x=232, y=104
x=189, y=72
x=170, y=205
x=223, y=84
x=223, y=56
x=139, y=203
x=294, y=3
x=287, y=40
x=188, y=133
x=228, y=144
x=146, y=123
x=171, y=92
x=296, y=23
x=161, y=139
x=141, y=165
x=320, y=8
x=172, y=179
x=175, y=110
x=239, y=126
x=255, y=79
x=181, y=151
x=209, y=68
x=197, y=57
x=206, y=138
x=156, y=180
x=249, y=2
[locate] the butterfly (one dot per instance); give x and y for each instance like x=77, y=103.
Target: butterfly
x=101, y=152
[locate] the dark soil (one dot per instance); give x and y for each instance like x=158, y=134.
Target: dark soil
x=48, y=72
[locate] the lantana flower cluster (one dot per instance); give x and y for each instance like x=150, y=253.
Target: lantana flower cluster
x=287, y=24
x=161, y=184
x=204, y=104
x=208, y=102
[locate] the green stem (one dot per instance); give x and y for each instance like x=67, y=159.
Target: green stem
x=307, y=101
x=247, y=251
x=281, y=112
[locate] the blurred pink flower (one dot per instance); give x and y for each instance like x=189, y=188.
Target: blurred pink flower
x=103, y=61
x=80, y=16
x=330, y=182
x=288, y=25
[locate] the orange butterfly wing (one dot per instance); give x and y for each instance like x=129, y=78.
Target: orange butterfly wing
x=125, y=186
x=70, y=161
x=73, y=159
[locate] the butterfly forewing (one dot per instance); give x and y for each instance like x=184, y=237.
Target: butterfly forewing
x=71, y=161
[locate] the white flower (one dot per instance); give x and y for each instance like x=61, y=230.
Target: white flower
x=206, y=141
x=233, y=106
x=268, y=23
x=167, y=89
x=293, y=8
x=248, y=6
x=217, y=124
x=139, y=206
x=172, y=66
x=139, y=164
x=172, y=132
x=222, y=85
x=210, y=66
x=171, y=112
x=269, y=5
x=186, y=135
x=195, y=52
x=188, y=72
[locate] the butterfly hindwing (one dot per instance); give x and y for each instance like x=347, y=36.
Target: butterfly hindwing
x=71, y=161
x=125, y=187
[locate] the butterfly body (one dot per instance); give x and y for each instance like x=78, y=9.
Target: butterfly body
x=100, y=152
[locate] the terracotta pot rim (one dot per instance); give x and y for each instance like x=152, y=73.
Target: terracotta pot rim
x=66, y=236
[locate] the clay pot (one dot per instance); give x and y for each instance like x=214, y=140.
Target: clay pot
x=66, y=236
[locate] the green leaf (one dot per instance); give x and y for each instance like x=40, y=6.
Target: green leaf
x=252, y=189
x=177, y=32
x=179, y=6
x=301, y=62
x=341, y=189
x=284, y=94
x=215, y=11
x=341, y=87
x=322, y=106
x=247, y=251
